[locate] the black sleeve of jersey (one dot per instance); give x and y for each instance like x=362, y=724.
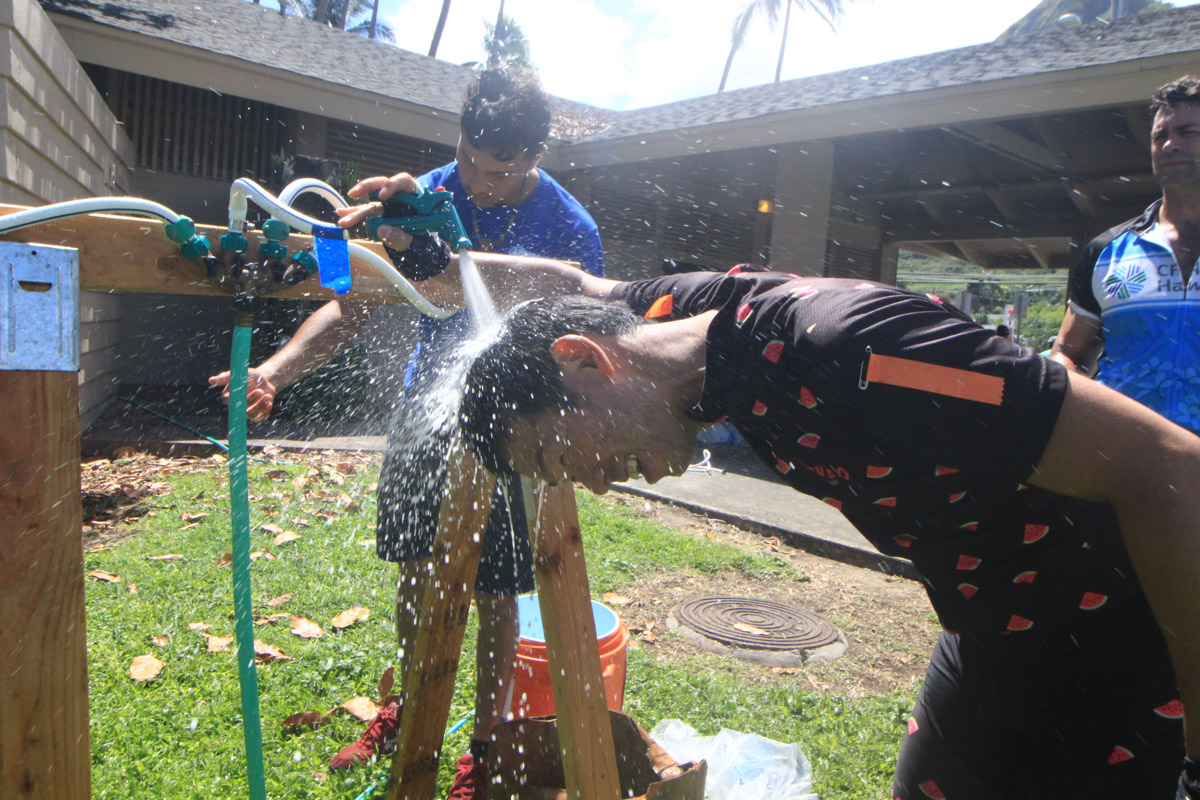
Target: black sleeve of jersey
x=1079, y=287
x=693, y=293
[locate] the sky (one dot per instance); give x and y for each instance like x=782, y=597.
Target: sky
x=623, y=54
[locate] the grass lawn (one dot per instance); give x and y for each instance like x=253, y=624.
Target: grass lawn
x=179, y=735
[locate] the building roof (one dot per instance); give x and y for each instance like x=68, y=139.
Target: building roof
x=256, y=34
x=262, y=36
x=1056, y=49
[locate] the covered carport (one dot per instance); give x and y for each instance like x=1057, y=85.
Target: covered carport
x=1004, y=154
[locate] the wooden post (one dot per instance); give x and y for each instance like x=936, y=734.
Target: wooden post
x=584, y=729
x=429, y=676
x=44, y=746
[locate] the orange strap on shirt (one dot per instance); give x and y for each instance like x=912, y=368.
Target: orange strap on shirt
x=935, y=378
x=661, y=307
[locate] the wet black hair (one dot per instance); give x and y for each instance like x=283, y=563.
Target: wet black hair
x=1169, y=95
x=516, y=376
x=506, y=114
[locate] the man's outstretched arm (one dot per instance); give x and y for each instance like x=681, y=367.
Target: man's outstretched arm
x=1109, y=448
x=510, y=279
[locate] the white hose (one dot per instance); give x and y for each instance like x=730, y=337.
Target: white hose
x=87, y=205
x=311, y=186
x=244, y=189
x=409, y=291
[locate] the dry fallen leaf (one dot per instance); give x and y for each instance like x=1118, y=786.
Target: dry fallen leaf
x=145, y=668
x=162, y=640
x=349, y=617
x=305, y=719
x=264, y=652
x=218, y=644
x=167, y=557
x=283, y=537
x=306, y=628
x=750, y=629
x=275, y=474
x=198, y=626
x=361, y=708
x=133, y=588
x=125, y=451
x=107, y=577
x=186, y=517
x=612, y=598
x=276, y=602
x=271, y=528
x=386, y=681
x=225, y=560
x=267, y=620
x=267, y=554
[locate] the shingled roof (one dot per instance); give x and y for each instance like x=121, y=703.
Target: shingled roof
x=1055, y=49
x=262, y=36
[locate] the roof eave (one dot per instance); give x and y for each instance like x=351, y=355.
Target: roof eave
x=1095, y=86
x=192, y=66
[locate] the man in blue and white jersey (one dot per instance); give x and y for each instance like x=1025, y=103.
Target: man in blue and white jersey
x=1134, y=300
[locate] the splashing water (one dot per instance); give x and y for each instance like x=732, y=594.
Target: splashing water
x=484, y=318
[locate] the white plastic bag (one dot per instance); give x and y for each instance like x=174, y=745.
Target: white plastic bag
x=741, y=766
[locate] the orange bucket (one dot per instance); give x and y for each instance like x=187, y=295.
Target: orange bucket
x=532, y=695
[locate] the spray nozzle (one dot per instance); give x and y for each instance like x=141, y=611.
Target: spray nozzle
x=422, y=213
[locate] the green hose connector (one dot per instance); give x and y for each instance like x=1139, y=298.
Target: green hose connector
x=239, y=499
x=276, y=230
x=235, y=242
x=307, y=262
x=181, y=230
x=194, y=248
x=269, y=249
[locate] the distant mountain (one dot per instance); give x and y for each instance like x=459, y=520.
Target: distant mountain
x=1048, y=12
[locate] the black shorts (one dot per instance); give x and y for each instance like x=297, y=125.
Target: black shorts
x=412, y=485
x=1092, y=712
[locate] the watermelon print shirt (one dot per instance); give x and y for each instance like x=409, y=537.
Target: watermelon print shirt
x=919, y=425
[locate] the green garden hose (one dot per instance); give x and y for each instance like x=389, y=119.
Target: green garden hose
x=239, y=501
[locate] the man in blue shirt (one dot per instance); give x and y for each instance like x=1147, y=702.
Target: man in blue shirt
x=507, y=205
x=1134, y=295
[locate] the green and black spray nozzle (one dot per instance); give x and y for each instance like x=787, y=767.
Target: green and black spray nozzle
x=422, y=213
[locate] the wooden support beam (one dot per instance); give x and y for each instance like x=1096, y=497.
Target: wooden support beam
x=1140, y=120
x=428, y=686
x=44, y=746
x=1002, y=141
x=132, y=254
x=584, y=728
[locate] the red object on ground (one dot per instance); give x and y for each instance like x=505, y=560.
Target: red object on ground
x=380, y=737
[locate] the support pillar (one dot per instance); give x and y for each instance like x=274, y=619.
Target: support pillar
x=45, y=751
x=803, y=189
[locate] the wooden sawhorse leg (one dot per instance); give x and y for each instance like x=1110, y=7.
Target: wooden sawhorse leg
x=574, y=656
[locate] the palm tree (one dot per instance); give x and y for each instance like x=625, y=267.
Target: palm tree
x=441, y=26
x=505, y=43
x=347, y=15
x=829, y=10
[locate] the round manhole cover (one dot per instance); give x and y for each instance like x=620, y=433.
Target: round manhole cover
x=758, y=630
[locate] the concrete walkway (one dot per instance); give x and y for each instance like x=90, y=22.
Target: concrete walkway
x=737, y=489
